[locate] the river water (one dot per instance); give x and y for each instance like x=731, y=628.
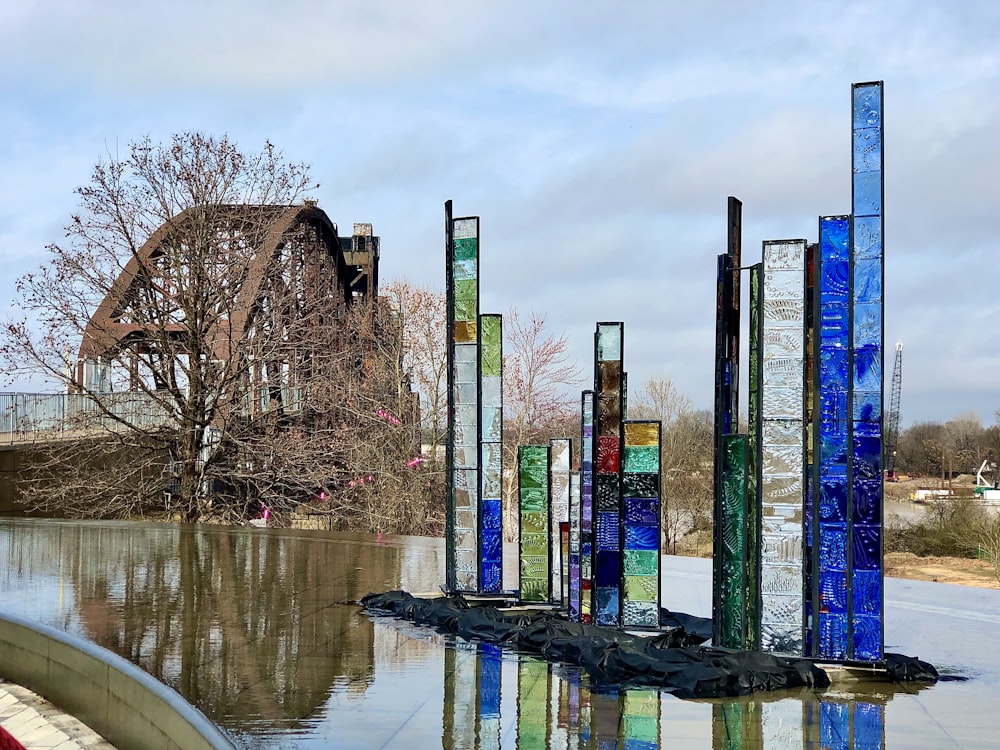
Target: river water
x=255, y=628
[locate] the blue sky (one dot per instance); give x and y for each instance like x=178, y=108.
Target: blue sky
x=598, y=141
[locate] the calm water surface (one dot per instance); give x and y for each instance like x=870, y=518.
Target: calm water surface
x=252, y=626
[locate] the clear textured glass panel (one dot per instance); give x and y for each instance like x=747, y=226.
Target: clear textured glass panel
x=784, y=312
x=868, y=281
x=492, y=391
x=868, y=193
x=780, y=639
x=781, y=490
x=466, y=354
x=465, y=228
x=785, y=256
x=780, y=344
x=465, y=393
x=464, y=456
x=782, y=432
x=782, y=459
x=559, y=451
x=782, y=580
x=868, y=325
x=640, y=614
x=867, y=150
x=465, y=269
x=465, y=372
x=781, y=403
x=782, y=373
x=467, y=415
x=609, y=341
x=492, y=423
x=867, y=237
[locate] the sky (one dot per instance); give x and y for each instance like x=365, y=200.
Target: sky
x=597, y=141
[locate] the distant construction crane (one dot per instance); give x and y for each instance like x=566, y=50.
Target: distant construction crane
x=892, y=418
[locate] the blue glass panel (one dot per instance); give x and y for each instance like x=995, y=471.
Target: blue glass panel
x=832, y=591
x=607, y=531
x=867, y=501
x=641, y=510
x=868, y=368
x=868, y=193
x=866, y=105
x=867, y=145
x=867, y=546
x=868, y=281
x=833, y=499
x=867, y=457
x=867, y=592
x=833, y=636
x=868, y=324
x=832, y=410
x=833, y=547
x=867, y=638
x=641, y=537
x=607, y=606
x=834, y=234
x=867, y=237
x=607, y=567
x=491, y=576
x=832, y=452
x=868, y=407
x=492, y=514
x=833, y=368
x=834, y=281
x=834, y=323
x=492, y=543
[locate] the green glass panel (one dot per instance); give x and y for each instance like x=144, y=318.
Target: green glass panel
x=732, y=597
x=641, y=562
x=644, y=459
x=535, y=523
x=753, y=464
x=490, y=350
x=532, y=704
x=641, y=588
x=466, y=249
x=534, y=544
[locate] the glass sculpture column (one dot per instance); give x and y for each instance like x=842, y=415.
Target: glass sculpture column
x=559, y=455
x=641, y=527
x=782, y=447
x=865, y=467
x=533, y=481
x=573, y=605
x=754, y=438
x=731, y=614
x=462, y=460
x=491, y=453
x=586, y=504
x=607, y=566
x=831, y=436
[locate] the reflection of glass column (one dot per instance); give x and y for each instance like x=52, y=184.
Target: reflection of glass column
x=605, y=720
x=574, y=547
x=782, y=447
x=737, y=725
x=460, y=676
x=843, y=725
x=607, y=565
x=532, y=705
x=533, y=483
x=865, y=397
x=559, y=455
x=641, y=720
x=586, y=504
x=462, y=271
x=641, y=525
x=490, y=660
x=491, y=452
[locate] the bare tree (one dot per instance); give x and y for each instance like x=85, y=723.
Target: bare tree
x=685, y=455
x=539, y=396
x=207, y=305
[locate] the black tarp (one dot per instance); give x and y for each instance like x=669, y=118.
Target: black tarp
x=672, y=660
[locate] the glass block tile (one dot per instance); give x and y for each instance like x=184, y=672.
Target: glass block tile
x=492, y=390
x=783, y=372
x=782, y=459
x=466, y=394
x=609, y=341
x=608, y=454
x=639, y=614
x=534, y=566
x=867, y=237
x=559, y=450
x=607, y=567
x=866, y=105
x=868, y=501
x=465, y=372
x=788, y=256
x=834, y=323
x=833, y=499
x=779, y=490
x=868, y=368
x=492, y=514
x=641, y=563
x=868, y=406
x=607, y=493
x=867, y=457
x=534, y=590
x=868, y=324
x=835, y=281
x=834, y=371
x=642, y=433
x=641, y=588
x=867, y=547
x=465, y=268
x=491, y=576
x=833, y=547
x=832, y=636
x=867, y=638
x=644, y=459
x=867, y=193
x=867, y=591
x=464, y=456
x=641, y=510
x=781, y=403
x=834, y=238
x=534, y=544
x=781, y=581
x=867, y=148
x=833, y=454
x=641, y=485
x=782, y=285
x=832, y=592
x=533, y=500
x=781, y=638
x=491, y=540
x=642, y=537
x=534, y=523
x=782, y=432
x=607, y=606
x=868, y=282
x=607, y=531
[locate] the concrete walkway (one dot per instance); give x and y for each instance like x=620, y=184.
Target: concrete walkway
x=36, y=723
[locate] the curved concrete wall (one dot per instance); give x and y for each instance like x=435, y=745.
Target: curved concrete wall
x=129, y=707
